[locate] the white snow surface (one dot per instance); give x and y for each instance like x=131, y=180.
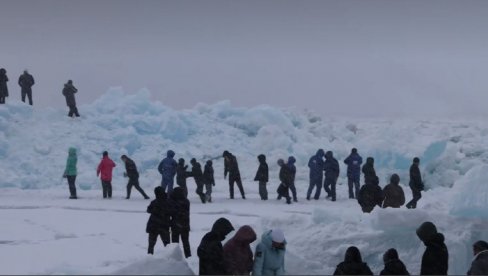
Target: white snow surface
x=43, y=232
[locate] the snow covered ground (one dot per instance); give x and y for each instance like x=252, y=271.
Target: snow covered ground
x=43, y=232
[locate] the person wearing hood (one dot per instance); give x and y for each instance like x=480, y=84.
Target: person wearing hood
x=182, y=174
x=160, y=219
x=479, y=266
x=133, y=175
x=293, y=171
x=105, y=168
x=208, y=180
x=353, y=162
x=167, y=169
x=436, y=256
x=370, y=195
x=415, y=183
x=368, y=170
x=238, y=257
x=232, y=168
x=316, y=165
x=353, y=264
x=210, y=251
x=269, y=258
x=331, y=168
x=69, y=92
x=3, y=85
x=196, y=172
x=393, y=264
x=70, y=172
x=180, y=219
x=26, y=81
x=262, y=177
x=285, y=178
x=393, y=192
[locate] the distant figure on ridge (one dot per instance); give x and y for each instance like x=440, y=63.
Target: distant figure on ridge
x=105, y=168
x=415, y=183
x=167, y=169
x=232, y=168
x=133, y=175
x=26, y=81
x=69, y=92
x=3, y=85
x=353, y=162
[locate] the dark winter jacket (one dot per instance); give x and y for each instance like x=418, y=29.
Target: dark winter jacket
x=436, y=256
x=196, y=172
x=316, y=165
x=393, y=192
x=231, y=167
x=3, y=83
x=369, y=196
x=182, y=174
x=160, y=211
x=415, y=178
x=291, y=169
x=353, y=264
x=353, y=162
x=238, y=255
x=394, y=267
x=131, y=168
x=210, y=251
x=180, y=206
x=479, y=266
x=331, y=166
x=26, y=81
x=208, y=174
x=262, y=173
x=368, y=170
x=167, y=167
x=69, y=93
x=285, y=175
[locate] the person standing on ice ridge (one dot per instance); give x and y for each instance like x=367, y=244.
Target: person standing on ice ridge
x=479, y=266
x=232, y=168
x=436, y=256
x=331, y=168
x=353, y=162
x=269, y=258
x=3, y=85
x=285, y=178
x=182, y=175
x=393, y=264
x=293, y=171
x=368, y=170
x=393, y=192
x=180, y=219
x=167, y=169
x=415, y=183
x=210, y=251
x=196, y=172
x=26, y=81
x=353, y=264
x=238, y=255
x=262, y=177
x=208, y=180
x=133, y=174
x=69, y=92
x=70, y=172
x=316, y=165
x=159, y=221
x=105, y=168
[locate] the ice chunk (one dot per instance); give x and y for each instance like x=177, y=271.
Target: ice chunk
x=470, y=194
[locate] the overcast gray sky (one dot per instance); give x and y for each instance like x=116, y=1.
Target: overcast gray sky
x=339, y=58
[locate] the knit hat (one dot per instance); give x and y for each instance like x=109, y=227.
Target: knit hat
x=426, y=231
x=277, y=236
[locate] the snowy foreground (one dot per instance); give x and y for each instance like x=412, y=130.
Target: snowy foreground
x=43, y=232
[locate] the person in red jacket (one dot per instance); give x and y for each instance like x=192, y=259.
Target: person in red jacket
x=238, y=257
x=105, y=169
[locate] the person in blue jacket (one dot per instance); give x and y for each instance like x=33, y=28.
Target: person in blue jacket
x=331, y=168
x=167, y=169
x=269, y=258
x=316, y=165
x=353, y=162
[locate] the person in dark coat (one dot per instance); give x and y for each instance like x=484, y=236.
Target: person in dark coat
x=436, y=256
x=415, y=183
x=180, y=219
x=370, y=195
x=285, y=178
x=393, y=192
x=182, y=174
x=238, y=256
x=262, y=177
x=69, y=92
x=353, y=264
x=479, y=266
x=353, y=162
x=232, y=168
x=3, y=85
x=316, y=165
x=393, y=264
x=167, y=169
x=210, y=251
x=133, y=175
x=208, y=180
x=159, y=221
x=26, y=81
x=331, y=168
x=293, y=171
x=196, y=172
x=368, y=170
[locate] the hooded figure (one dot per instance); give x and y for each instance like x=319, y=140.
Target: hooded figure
x=167, y=169
x=69, y=92
x=370, y=195
x=105, y=169
x=133, y=175
x=70, y=172
x=353, y=264
x=210, y=251
x=436, y=256
x=479, y=266
x=353, y=162
x=293, y=171
x=232, y=168
x=316, y=165
x=160, y=219
x=269, y=258
x=393, y=265
x=285, y=176
x=26, y=81
x=393, y=192
x=331, y=168
x=237, y=252
x=3, y=85
x=368, y=170
x=262, y=177
x=415, y=183
x=182, y=175
x=208, y=180
x=196, y=172
x=180, y=219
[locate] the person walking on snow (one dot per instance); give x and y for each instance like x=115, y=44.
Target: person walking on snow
x=159, y=221
x=208, y=180
x=196, y=172
x=238, y=257
x=210, y=251
x=331, y=168
x=353, y=162
x=415, y=183
x=316, y=165
x=26, y=81
x=180, y=219
x=133, y=175
x=262, y=176
x=269, y=258
x=232, y=168
x=293, y=171
x=167, y=169
x=285, y=178
x=69, y=92
x=70, y=172
x=105, y=168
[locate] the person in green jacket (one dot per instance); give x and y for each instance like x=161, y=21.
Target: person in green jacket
x=70, y=172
